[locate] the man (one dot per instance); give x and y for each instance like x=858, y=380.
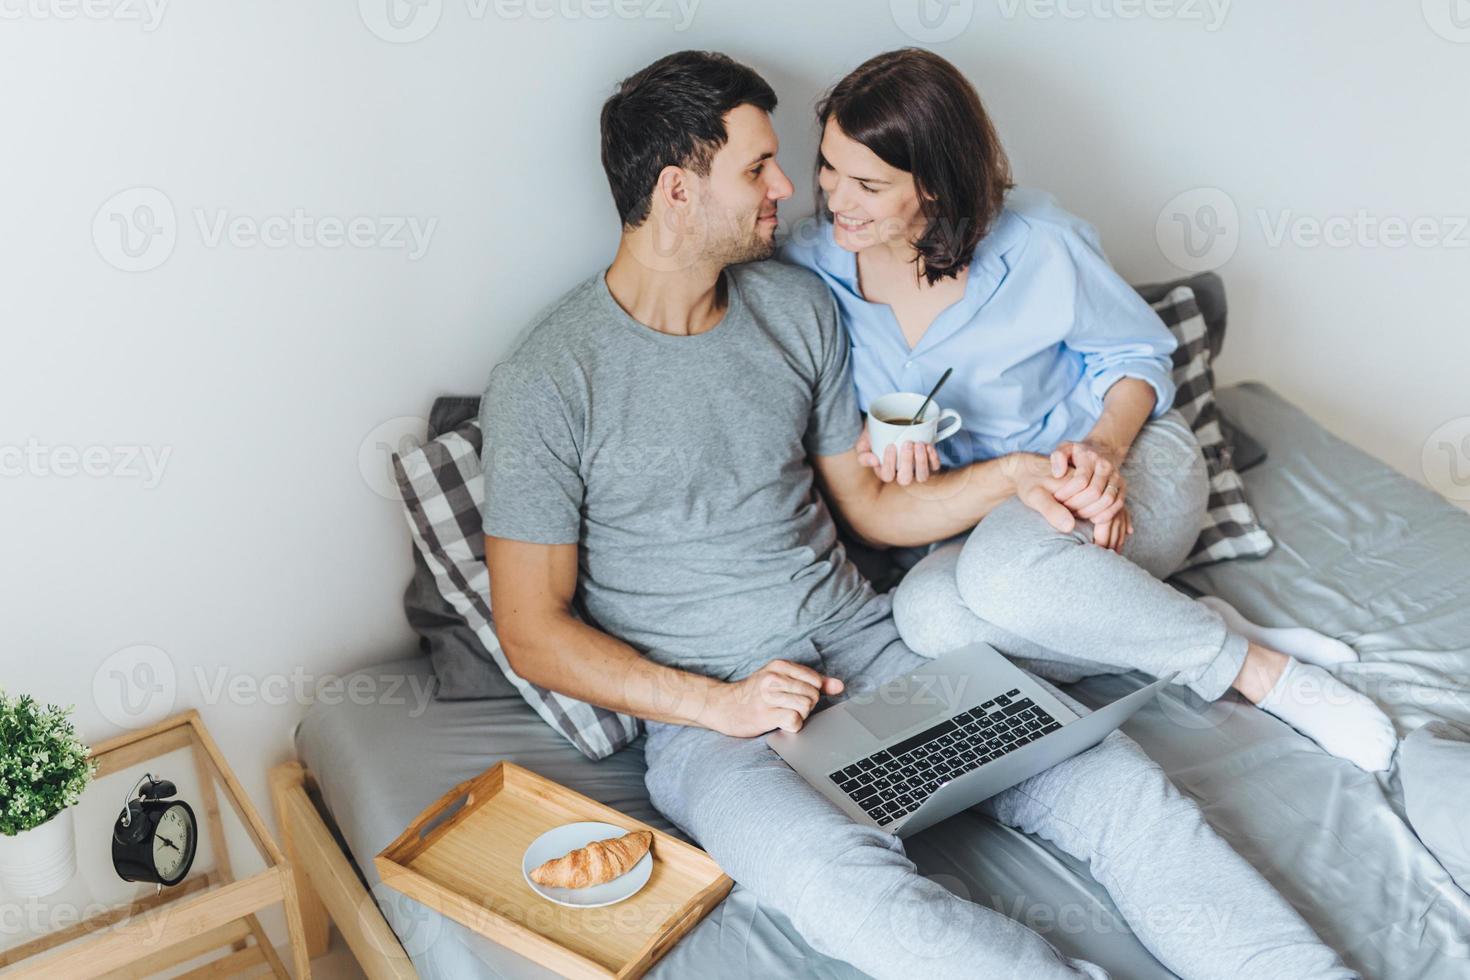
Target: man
x=657, y=545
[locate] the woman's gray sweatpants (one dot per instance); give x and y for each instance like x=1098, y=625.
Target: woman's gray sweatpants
x=854, y=895
x=1066, y=608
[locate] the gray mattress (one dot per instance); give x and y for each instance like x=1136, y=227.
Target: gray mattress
x=1362, y=553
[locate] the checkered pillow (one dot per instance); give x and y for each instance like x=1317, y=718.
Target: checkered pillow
x=1230, y=528
x=443, y=487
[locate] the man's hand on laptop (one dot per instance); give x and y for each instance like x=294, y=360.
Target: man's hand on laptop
x=779, y=695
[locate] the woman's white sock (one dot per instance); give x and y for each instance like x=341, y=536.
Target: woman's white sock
x=1306, y=645
x=1336, y=717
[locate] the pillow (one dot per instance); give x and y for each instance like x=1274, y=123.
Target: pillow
x=463, y=668
x=443, y=488
x=1230, y=528
x=1209, y=296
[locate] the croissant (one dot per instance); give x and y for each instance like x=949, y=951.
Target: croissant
x=599, y=861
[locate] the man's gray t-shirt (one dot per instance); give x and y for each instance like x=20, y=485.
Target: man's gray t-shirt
x=681, y=466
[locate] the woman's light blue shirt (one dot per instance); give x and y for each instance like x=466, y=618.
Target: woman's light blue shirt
x=1044, y=329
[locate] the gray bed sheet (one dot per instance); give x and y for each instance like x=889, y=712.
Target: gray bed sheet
x=1362, y=553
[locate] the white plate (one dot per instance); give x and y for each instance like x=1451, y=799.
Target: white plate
x=570, y=836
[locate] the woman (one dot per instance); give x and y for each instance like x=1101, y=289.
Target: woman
x=934, y=265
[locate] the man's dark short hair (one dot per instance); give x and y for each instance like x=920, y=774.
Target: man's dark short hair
x=672, y=113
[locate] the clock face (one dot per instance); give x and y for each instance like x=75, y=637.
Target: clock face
x=173, y=843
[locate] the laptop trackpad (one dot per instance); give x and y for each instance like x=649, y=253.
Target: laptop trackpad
x=902, y=703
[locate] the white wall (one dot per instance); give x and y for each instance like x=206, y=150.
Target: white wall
x=262, y=378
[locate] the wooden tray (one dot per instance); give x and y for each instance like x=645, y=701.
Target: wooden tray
x=462, y=857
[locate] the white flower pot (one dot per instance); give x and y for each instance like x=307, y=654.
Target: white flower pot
x=40, y=860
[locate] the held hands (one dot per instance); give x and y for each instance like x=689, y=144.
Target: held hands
x=779, y=695
x=1114, y=534
x=1039, y=486
x=907, y=463
x=1080, y=480
x=1095, y=490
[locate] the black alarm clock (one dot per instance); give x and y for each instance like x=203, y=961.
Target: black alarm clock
x=154, y=837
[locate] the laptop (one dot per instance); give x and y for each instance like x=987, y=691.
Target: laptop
x=953, y=733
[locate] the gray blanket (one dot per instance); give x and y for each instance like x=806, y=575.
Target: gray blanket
x=1362, y=553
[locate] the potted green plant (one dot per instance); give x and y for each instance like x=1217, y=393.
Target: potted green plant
x=43, y=769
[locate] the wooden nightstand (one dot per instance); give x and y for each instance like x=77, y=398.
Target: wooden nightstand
x=79, y=933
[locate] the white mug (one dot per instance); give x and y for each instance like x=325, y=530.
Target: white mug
x=903, y=405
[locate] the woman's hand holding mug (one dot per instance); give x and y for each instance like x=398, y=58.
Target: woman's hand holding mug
x=901, y=451
x=906, y=463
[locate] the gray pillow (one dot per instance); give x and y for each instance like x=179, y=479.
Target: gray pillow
x=1241, y=448
x=463, y=669
x=1230, y=528
x=442, y=485
x=1209, y=296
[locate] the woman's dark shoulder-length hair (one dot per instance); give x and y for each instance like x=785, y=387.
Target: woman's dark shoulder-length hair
x=918, y=113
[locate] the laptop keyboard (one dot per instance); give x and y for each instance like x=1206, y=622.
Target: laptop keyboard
x=892, y=783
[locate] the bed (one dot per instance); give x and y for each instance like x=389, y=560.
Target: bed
x=1362, y=553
